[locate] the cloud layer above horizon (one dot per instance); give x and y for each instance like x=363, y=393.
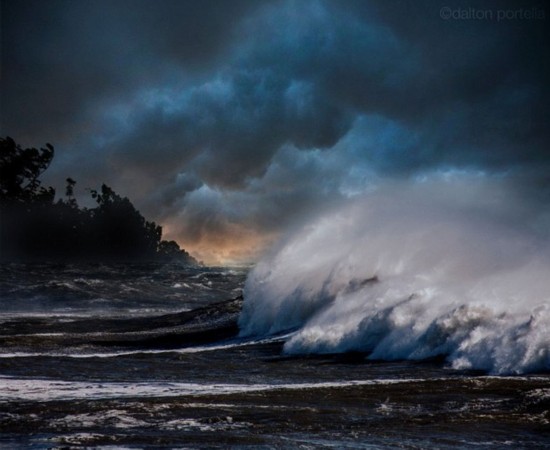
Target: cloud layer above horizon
x=228, y=122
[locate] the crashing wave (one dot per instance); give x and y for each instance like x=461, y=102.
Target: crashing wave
x=440, y=267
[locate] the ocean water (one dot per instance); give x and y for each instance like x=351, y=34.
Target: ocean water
x=151, y=356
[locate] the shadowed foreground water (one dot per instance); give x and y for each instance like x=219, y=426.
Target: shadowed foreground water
x=147, y=357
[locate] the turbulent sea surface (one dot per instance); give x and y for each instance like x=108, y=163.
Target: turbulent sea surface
x=151, y=356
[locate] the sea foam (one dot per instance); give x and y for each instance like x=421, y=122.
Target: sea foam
x=448, y=265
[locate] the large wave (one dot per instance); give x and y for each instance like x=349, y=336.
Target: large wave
x=448, y=265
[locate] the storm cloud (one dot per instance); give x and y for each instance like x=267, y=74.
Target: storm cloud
x=228, y=122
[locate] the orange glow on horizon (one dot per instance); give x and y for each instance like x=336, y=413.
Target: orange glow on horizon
x=237, y=246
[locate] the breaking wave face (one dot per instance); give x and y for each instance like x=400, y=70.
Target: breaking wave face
x=448, y=265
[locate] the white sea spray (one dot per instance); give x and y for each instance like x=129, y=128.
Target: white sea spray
x=448, y=265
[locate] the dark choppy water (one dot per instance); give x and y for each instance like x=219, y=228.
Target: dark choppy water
x=146, y=356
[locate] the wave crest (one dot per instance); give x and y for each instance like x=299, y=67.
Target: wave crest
x=446, y=266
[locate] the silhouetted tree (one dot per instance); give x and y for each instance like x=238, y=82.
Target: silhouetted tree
x=170, y=251
x=121, y=227
x=19, y=172
x=69, y=192
x=32, y=226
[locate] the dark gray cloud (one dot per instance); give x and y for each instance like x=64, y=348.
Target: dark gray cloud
x=61, y=58
x=228, y=121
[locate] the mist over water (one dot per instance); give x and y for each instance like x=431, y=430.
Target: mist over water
x=451, y=265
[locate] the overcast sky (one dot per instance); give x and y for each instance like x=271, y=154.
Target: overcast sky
x=229, y=121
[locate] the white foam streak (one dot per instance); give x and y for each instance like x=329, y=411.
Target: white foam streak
x=446, y=266
x=122, y=353
x=52, y=390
